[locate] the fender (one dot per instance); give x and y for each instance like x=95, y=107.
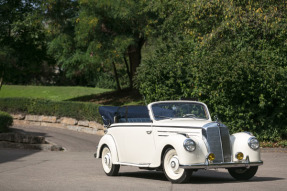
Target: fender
x=108, y=140
x=239, y=143
x=185, y=157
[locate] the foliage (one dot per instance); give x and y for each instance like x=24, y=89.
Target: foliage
x=233, y=58
x=279, y=144
x=23, y=43
x=90, y=37
x=77, y=110
x=6, y=121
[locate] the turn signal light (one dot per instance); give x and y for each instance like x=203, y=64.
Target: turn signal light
x=239, y=155
x=211, y=156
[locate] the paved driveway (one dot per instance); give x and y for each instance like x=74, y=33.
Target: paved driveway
x=77, y=169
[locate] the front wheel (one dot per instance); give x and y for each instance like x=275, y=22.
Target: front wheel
x=108, y=166
x=172, y=171
x=243, y=173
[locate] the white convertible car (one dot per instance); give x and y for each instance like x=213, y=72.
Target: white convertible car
x=177, y=137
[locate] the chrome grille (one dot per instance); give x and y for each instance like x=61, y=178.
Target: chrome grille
x=218, y=141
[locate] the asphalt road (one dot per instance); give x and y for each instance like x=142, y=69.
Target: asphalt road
x=77, y=169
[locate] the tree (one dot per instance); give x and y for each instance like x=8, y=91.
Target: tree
x=113, y=32
x=22, y=40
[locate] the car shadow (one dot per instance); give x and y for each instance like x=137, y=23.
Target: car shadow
x=152, y=175
x=200, y=177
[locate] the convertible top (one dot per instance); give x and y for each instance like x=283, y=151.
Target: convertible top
x=123, y=114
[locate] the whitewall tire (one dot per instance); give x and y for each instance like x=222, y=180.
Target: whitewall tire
x=108, y=166
x=171, y=168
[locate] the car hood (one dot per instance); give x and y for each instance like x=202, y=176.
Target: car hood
x=185, y=123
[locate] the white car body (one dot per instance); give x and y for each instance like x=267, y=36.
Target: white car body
x=143, y=144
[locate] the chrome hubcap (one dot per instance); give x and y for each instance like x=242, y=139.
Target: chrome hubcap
x=174, y=164
x=107, y=159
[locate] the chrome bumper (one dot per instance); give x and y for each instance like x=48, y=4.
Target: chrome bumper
x=209, y=165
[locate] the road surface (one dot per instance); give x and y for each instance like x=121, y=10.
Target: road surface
x=77, y=169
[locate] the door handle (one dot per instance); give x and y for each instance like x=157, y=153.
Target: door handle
x=148, y=132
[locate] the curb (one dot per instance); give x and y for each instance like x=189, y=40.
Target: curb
x=42, y=147
x=273, y=150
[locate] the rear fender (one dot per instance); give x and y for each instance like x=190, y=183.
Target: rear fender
x=108, y=140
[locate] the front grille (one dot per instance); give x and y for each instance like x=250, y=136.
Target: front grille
x=218, y=141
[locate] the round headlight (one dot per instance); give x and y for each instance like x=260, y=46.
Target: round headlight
x=253, y=143
x=189, y=145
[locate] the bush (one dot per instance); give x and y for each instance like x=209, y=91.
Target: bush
x=77, y=110
x=235, y=63
x=5, y=121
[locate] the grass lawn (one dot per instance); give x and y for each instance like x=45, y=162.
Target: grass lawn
x=54, y=93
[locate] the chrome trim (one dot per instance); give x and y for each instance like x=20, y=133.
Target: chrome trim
x=206, y=144
x=217, y=140
x=220, y=140
x=132, y=164
x=185, y=146
x=249, y=133
x=249, y=144
x=221, y=165
x=210, y=165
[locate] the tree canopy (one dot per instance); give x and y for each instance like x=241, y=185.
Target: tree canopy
x=22, y=42
x=231, y=54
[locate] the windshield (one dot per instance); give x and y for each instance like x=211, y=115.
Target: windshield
x=171, y=110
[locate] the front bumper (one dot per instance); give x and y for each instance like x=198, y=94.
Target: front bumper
x=209, y=165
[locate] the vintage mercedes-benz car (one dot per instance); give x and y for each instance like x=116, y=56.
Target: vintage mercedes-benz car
x=177, y=137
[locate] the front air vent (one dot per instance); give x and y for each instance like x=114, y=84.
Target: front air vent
x=218, y=141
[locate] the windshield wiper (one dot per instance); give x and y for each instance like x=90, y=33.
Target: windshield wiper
x=165, y=117
x=189, y=115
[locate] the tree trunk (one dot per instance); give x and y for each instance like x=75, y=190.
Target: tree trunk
x=129, y=73
x=1, y=79
x=134, y=52
x=116, y=77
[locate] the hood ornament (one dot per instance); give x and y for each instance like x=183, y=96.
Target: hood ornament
x=217, y=120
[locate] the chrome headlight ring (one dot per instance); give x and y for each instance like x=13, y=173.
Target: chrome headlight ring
x=253, y=143
x=189, y=145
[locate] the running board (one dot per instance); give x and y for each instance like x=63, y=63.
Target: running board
x=132, y=164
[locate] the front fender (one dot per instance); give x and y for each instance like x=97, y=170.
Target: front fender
x=108, y=140
x=239, y=143
x=185, y=157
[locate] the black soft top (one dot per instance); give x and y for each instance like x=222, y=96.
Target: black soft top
x=123, y=114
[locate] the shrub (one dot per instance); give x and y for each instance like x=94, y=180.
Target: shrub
x=77, y=110
x=5, y=121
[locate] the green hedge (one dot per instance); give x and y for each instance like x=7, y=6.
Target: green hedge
x=5, y=121
x=77, y=110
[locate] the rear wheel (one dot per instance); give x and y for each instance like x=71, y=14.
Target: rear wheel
x=108, y=166
x=172, y=171
x=243, y=173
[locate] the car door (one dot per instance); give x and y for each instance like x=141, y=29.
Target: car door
x=135, y=143
x=139, y=144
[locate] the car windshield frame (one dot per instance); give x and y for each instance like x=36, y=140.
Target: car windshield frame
x=179, y=110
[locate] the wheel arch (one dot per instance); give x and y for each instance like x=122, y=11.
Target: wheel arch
x=164, y=151
x=108, y=141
